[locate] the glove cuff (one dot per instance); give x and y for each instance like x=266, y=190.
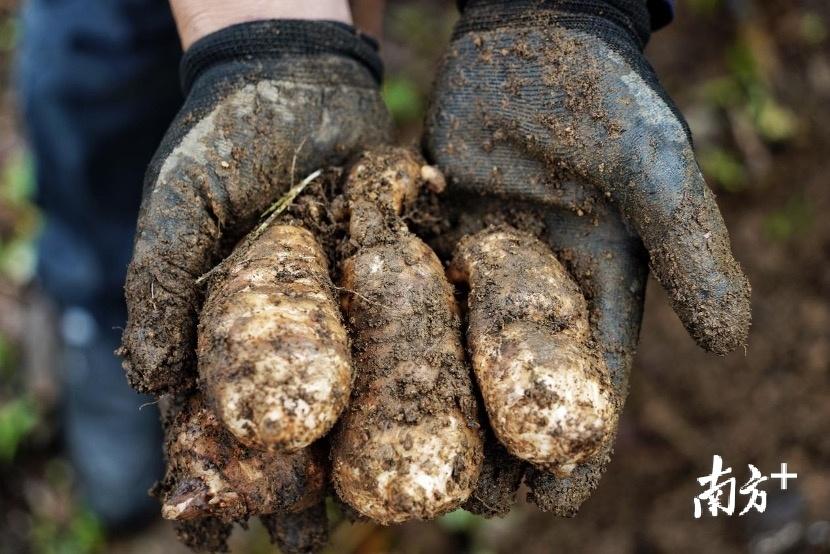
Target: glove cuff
x=632, y=17
x=255, y=41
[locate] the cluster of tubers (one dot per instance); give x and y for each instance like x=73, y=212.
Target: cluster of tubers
x=364, y=386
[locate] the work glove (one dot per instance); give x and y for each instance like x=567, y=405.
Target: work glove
x=550, y=106
x=267, y=103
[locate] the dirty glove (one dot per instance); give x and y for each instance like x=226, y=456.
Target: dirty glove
x=267, y=103
x=551, y=105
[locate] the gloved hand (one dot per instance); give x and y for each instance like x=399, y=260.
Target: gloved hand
x=267, y=103
x=551, y=105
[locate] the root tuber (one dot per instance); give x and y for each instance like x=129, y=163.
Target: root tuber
x=273, y=352
x=210, y=474
x=409, y=446
x=546, y=390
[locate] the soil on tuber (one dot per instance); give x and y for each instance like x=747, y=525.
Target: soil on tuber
x=211, y=475
x=409, y=445
x=273, y=351
x=545, y=387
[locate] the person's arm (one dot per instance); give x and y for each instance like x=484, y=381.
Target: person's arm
x=198, y=18
x=368, y=16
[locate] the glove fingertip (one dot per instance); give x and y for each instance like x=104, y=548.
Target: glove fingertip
x=691, y=255
x=152, y=368
x=720, y=323
x=157, y=344
x=708, y=289
x=563, y=496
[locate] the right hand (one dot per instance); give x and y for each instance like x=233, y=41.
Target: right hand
x=268, y=103
x=551, y=107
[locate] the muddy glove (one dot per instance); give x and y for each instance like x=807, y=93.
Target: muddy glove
x=267, y=103
x=551, y=105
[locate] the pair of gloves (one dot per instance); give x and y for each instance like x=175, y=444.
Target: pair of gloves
x=542, y=104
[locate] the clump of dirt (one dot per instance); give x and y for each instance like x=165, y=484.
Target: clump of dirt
x=500, y=479
x=208, y=534
x=302, y=532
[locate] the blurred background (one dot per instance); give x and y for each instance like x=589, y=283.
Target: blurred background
x=753, y=79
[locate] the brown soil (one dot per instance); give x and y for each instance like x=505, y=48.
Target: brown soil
x=303, y=532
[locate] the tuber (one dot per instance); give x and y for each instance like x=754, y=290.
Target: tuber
x=273, y=352
x=545, y=388
x=409, y=445
x=210, y=474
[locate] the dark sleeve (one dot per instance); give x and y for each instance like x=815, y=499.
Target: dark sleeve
x=662, y=12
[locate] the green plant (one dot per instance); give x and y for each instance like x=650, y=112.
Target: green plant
x=724, y=168
x=82, y=534
x=18, y=418
x=794, y=218
x=17, y=180
x=813, y=28
x=403, y=99
x=704, y=7
x=460, y=521
x=9, y=31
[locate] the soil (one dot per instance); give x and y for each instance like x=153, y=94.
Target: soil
x=303, y=532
